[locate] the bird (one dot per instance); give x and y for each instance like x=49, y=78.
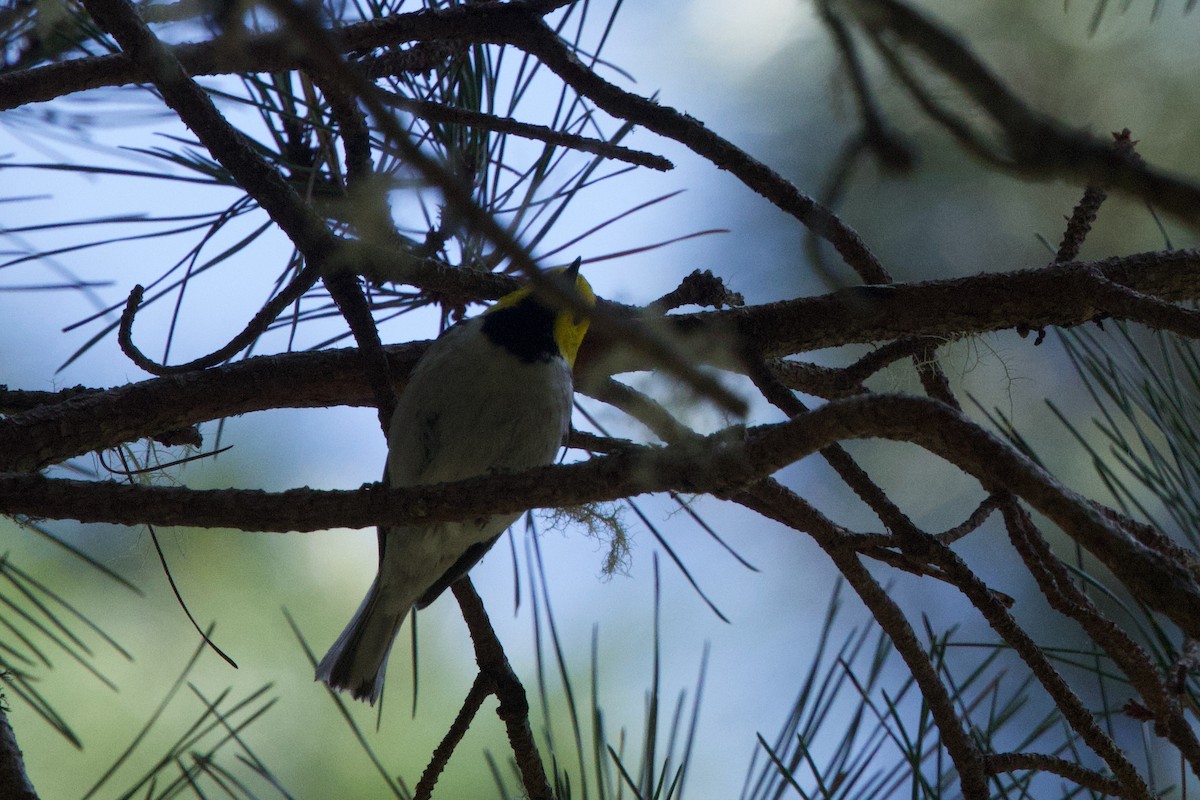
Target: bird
x=492, y=394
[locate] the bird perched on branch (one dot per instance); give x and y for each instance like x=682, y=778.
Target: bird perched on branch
x=491, y=394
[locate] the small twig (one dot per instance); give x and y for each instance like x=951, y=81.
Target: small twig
x=836, y=456
x=256, y=327
x=438, y=112
x=833, y=382
x=458, y=729
x=971, y=523
x=884, y=141
x=235, y=152
x=1079, y=224
x=700, y=289
x=371, y=219
x=997, y=763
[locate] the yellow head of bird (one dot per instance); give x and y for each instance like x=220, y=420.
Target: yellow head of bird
x=569, y=325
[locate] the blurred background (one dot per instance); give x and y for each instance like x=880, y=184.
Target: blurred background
x=763, y=74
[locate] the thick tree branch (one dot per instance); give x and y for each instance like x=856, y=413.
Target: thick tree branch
x=90, y=421
x=1054, y=295
x=1059, y=294
x=714, y=464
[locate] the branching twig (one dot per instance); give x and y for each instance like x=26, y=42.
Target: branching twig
x=1066, y=598
x=1068, y=702
x=776, y=502
x=503, y=682
x=1034, y=144
x=301, y=283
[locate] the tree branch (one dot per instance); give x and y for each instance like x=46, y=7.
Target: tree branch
x=499, y=675
x=159, y=65
x=716, y=464
x=1035, y=144
x=1053, y=295
x=14, y=782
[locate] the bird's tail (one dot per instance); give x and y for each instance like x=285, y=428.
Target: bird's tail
x=357, y=660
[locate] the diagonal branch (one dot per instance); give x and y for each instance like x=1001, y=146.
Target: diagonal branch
x=499, y=676
x=227, y=145
x=1035, y=144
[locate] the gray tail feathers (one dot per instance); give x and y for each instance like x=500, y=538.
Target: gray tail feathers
x=357, y=660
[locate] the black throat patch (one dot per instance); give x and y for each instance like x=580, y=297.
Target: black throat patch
x=525, y=329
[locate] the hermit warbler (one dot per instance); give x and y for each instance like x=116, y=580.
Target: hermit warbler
x=491, y=394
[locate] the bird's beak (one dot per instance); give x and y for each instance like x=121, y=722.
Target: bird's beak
x=573, y=270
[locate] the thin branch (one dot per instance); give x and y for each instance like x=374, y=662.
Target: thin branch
x=1068, y=702
x=300, y=283
x=883, y=140
x=437, y=112
x=1035, y=144
x=346, y=291
x=232, y=149
x=835, y=455
x=777, y=502
x=479, y=692
x=997, y=763
x=972, y=522
x=831, y=382
x=538, y=39
x=514, y=706
x=1066, y=598
x=373, y=218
